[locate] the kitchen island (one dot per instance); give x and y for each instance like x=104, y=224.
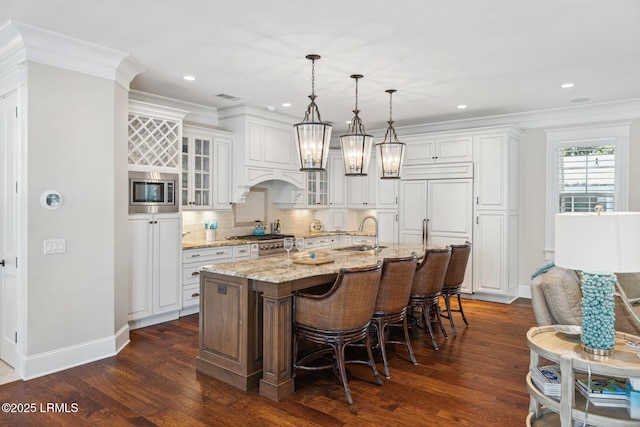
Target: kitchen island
x=246, y=313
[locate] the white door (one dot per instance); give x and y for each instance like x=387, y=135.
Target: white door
x=413, y=211
x=9, y=228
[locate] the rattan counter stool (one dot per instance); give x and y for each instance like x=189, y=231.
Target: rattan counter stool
x=391, y=304
x=335, y=319
x=426, y=287
x=453, y=282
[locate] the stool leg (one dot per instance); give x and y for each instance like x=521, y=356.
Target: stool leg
x=379, y=327
x=339, y=352
x=427, y=321
x=439, y=320
x=406, y=338
x=462, y=311
x=447, y=302
x=371, y=362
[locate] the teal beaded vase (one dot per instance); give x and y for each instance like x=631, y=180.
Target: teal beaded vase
x=598, y=313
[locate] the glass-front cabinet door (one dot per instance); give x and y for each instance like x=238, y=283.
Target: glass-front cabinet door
x=317, y=190
x=196, y=171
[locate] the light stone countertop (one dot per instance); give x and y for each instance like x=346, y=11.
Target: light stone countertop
x=201, y=243
x=275, y=269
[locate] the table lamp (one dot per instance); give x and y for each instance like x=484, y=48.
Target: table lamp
x=599, y=244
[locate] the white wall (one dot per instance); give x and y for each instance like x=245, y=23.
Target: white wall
x=532, y=187
x=71, y=131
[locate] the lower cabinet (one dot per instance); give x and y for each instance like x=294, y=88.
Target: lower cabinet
x=192, y=262
x=194, y=259
x=154, y=270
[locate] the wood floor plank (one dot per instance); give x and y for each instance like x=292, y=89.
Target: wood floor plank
x=477, y=378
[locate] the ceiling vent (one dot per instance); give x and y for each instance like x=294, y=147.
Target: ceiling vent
x=228, y=97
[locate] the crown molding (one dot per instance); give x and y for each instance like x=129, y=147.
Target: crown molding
x=606, y=112
x=21, y=42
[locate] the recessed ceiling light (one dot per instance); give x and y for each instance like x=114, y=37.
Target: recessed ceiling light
x=348, y=122
x=567, y=85
x=461, y=107
x=286, y=104
x=189, y=78
x=271, y=108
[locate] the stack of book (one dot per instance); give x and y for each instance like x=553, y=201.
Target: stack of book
x=603, y=391
x=547, y=379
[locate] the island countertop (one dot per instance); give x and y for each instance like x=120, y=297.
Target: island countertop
x=276, y=269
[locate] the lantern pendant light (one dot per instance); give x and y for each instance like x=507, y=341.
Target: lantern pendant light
x=356, y=145
x=390, y=151
x=312, y=135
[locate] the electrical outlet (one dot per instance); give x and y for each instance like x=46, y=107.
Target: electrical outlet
x=56, y=246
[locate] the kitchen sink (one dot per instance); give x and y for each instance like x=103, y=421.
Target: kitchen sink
x=359, y=248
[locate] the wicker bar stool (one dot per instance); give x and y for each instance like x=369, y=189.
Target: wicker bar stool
x=427, y=285
x=453, y=282
x=335, y=319
x=391, y=304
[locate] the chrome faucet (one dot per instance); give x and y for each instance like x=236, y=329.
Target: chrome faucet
x=376, y=246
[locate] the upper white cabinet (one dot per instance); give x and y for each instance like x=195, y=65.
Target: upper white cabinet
x=264, y=148
x=445, y=148
x=337, y=182
x=387, y=190
x=317, y=191
x=155, y=135
x=206, y=168
x=362, y=190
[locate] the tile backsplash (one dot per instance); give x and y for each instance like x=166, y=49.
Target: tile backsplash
x=292, y=221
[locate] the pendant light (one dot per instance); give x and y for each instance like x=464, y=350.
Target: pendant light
x=390, y=153
x=313, y=136
x=356, y=145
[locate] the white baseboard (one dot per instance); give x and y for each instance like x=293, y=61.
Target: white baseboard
x=152, y=320
x=190, y=310
x=122, y=338
x=64, y=358
x=524, y=291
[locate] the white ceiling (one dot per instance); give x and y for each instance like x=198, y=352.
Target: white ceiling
x=496, y=56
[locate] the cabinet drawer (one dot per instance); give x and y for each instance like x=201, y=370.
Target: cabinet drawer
x=190, y=295
x=207, y=255
x=322, y=242
x=359, y=240
x=241, y=252
x=191, y=274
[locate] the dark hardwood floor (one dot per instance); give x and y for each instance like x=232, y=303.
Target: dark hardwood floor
x=475, y=379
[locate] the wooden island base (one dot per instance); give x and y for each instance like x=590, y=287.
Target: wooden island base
x=246, y=316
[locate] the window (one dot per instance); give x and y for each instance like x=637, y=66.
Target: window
x=586, y=178
x=586, y=166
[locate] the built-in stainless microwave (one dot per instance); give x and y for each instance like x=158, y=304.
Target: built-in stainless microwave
x=152, y=192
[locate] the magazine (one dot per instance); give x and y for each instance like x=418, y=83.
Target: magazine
x=602, y=388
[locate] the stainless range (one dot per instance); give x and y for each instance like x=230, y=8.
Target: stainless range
x=268, y=244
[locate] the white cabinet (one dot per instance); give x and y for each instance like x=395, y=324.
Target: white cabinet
x=387, y=190
x=155, y=133
x=437, y=212
x=317, y=190
x=337, y=182
x=388, y=226
x=206, y=169
x=361, y=190
x=154, y=270
x=338, y=219
x=323, y=242
x=442, y=148
x=197, y=154
x=495, y=243
x=362, y=240
x=192, y=262
x=222, y=171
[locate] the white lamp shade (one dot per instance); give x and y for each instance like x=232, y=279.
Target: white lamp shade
x=609, y=242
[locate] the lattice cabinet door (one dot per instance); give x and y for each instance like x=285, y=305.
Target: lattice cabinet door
x=317, y=190
x=154, y=141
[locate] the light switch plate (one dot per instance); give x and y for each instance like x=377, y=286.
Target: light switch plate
x=55, y=246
